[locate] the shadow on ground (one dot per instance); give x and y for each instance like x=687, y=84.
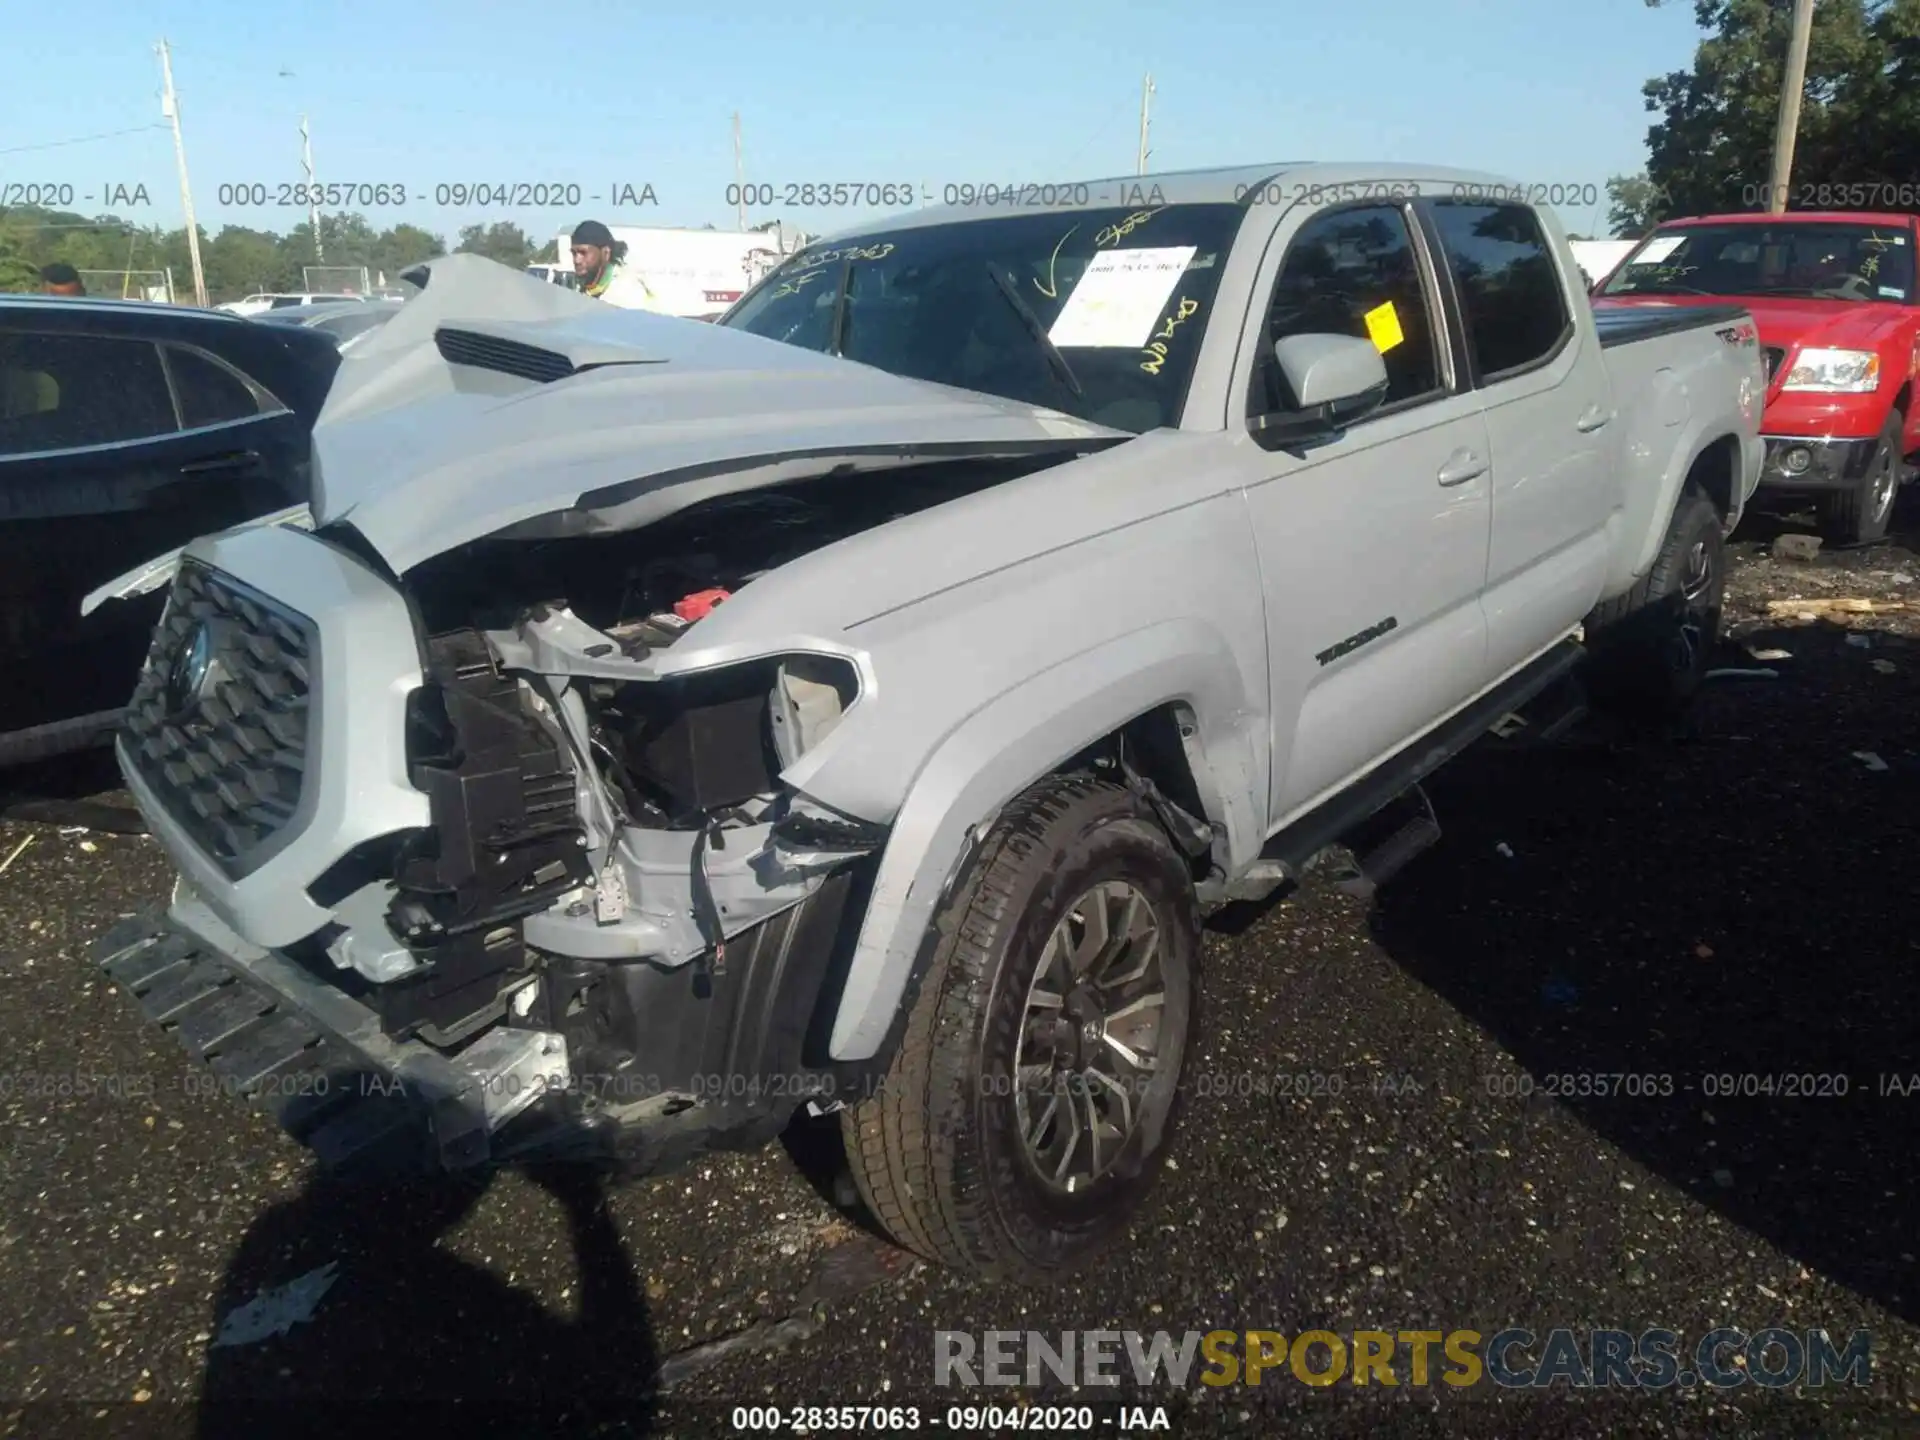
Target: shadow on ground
x=410, y=1338
x=81, y=788
x=1769, y=517
x=1740, y=905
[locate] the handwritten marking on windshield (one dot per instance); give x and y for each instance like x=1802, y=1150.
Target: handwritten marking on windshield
x=1050, y=289
x=1114, y=234
x=793, y=286
x=1156, y=351
x=810, y=267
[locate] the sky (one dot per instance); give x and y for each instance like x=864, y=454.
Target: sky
x=614, y=99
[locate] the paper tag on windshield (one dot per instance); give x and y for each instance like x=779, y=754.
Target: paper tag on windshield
x=1120, y=296
x=1659, y=250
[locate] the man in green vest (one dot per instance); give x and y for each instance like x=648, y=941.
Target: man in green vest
x=601, y=263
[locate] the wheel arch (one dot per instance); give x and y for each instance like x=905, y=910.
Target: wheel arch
x=1165, y=705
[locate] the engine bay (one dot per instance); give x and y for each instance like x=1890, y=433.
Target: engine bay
x=648, y=585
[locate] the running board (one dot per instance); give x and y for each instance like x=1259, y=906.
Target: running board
x=1394, y=851
x=1287, y=853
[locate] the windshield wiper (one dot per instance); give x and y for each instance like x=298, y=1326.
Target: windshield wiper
x=1034, y=328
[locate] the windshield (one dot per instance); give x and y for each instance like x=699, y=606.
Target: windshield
x=1095, y=313
x=1811, y=259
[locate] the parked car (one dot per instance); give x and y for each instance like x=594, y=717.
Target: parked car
x=264, y=300
x=127, y=428
x=345, y=324
x=1839, y=313
x=853, y=705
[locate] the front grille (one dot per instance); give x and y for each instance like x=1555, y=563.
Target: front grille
x=1775, y=354
x=221, y=735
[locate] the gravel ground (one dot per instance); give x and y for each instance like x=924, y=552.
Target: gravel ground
x=1733, y=903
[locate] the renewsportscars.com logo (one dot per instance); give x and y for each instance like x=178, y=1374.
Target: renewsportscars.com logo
x=1725, y=1358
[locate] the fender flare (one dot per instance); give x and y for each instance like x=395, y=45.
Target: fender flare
x=1697, y=434
x=1016, y=738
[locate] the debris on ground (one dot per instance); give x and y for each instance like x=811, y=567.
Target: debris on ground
x=1869, y=759
x=1885, y=667
x=1837, y=605
x=277, y=1311
x=1860, y=642
x=17, y=851
x=1796, y=547
x=1739, y=673
x=1771, y=654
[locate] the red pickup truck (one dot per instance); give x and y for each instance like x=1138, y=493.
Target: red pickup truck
x=1834, y=296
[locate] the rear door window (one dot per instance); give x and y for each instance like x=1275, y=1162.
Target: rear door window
x=70, y=392
x=1516, y=312
x=210, y=393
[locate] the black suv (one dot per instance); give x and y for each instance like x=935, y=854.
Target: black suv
x=128, y=429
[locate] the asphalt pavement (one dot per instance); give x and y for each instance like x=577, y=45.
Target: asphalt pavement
x=1400, y=1129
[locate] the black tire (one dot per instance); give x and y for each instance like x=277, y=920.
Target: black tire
x=1650, y=649
x=936, y=1153
x=1859, y=515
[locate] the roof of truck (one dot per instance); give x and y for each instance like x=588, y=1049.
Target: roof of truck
x=1225, y=184
x=1822, y=217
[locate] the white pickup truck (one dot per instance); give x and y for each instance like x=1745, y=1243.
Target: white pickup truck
x=855, y=704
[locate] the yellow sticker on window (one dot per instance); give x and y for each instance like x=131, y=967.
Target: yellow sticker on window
x=1384, y=326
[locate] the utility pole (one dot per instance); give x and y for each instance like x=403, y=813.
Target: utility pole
x=739, y=172
x=313, y=198
x=1146, y=96
x=1791, y=87
x=170, y=108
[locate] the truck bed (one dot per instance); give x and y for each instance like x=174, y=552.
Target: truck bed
x=1630, y=324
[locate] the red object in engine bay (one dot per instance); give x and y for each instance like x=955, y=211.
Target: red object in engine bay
x=699, y=604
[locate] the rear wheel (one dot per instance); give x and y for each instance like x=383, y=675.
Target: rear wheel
x=1651, y=648
x=1030, y=1104
x=1859, y=515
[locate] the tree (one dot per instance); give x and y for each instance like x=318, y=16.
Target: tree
x=503, y=241
x=17, y=272
x=1635, y=205
x=1712, y=147
x=236, y=262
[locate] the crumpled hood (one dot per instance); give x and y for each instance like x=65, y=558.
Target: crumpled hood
x=421, y=453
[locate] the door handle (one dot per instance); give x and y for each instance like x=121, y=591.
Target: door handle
x=1592, y=419
x=236, y=460
x=1462, y=466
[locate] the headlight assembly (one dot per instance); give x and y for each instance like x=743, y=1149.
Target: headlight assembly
x=811, y=694
x=1835, y=372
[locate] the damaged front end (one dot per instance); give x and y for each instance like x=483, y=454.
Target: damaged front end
x=615, y=933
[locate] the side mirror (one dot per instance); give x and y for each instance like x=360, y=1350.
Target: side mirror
x=1334, y=380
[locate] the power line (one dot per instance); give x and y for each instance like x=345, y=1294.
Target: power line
x=80, y=140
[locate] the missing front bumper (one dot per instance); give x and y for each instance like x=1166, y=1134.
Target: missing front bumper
x=318, y=1063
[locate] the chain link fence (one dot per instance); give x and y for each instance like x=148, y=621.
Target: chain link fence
x=156, y=285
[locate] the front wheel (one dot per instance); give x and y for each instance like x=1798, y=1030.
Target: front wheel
x=1030, y=1104
x=1859, y=514
x=1651, y=648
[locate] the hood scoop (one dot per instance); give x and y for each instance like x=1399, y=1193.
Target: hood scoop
x=494, y=345
x=494, y=352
